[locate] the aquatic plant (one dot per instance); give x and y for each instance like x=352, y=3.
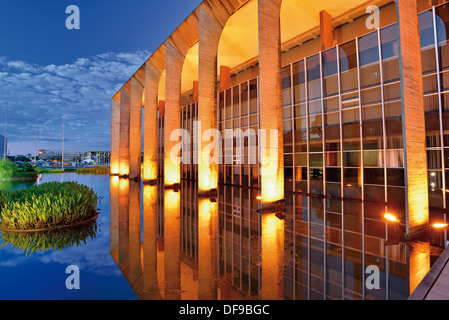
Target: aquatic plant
x=93, y=170
x=46, y=206
x=46, y=241
x=12, y=171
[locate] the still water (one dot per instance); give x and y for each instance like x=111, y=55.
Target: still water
x=151, y=243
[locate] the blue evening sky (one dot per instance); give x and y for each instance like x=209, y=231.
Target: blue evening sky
x=44, y=64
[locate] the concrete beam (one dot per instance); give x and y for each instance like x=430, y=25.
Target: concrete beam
x=270, y=97
x=326, y=31
x=414, y=130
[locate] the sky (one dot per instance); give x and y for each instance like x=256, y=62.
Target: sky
x=45, y=66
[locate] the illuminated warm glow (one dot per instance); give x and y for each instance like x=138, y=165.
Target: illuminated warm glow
x=161, y=89
x=124, y=186
x=259, y=198
x=272, y=243
x=390, y=217
x=300, y=16
x=115, y=168
x=115, y=180
x=207, y=180
x=419, y=263
x=124, y=169
x=149, y=171
x=239, y=40
x=205, y=209
x=272, y=188
x=172, y=174
x=172, y=199
x=190, y=69
x=440, y=225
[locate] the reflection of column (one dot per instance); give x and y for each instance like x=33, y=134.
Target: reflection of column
x=209, y=37
x=272, y=285
x=125, y=103
x=207, y=217
x=123, y=225
x=114, y=218
x=135, y=264
x=417, y=198
x=150, y=269
x=174, y=63
x=135, y=129
x=270, y=93
x=152, y=77
x=172, y=242
x=418, y=263
x=115, y=135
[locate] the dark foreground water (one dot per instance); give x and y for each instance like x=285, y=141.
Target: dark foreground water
x=151, y=243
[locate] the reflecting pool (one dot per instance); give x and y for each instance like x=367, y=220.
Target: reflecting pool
x=153, y=243
x=178, y=245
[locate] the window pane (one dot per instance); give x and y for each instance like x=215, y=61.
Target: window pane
x=348, y=67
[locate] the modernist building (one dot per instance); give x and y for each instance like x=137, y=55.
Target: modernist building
x=359, y=97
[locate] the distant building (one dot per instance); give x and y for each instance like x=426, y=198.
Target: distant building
x=3, y=146
x=98, y=157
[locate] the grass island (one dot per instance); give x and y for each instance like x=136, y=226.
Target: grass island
x=48, y=206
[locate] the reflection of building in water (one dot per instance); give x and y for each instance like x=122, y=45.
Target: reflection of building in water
x=224, y=248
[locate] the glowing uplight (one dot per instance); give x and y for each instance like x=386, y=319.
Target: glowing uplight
x=207, y=180
x=259, y=198
x=172, y=174
x=390, y=217
x=440, y=225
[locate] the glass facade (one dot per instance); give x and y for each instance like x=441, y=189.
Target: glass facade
x=343, y=133
x=238, y=123
x=189, y=118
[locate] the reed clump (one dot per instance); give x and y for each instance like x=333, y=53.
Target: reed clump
x=47, y=206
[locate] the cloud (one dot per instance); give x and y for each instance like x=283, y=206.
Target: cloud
x=83, y=88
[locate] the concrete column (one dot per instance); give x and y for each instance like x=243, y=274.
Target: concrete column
x=125, y=104
x=174, y=63
x=152, y=77
x=115, y=135
x=135, y=130
x=270, y=97
x=209, y=37
x=417, y=198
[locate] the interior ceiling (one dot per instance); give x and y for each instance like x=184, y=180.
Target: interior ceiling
x=190, y=69
x=239, y=41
